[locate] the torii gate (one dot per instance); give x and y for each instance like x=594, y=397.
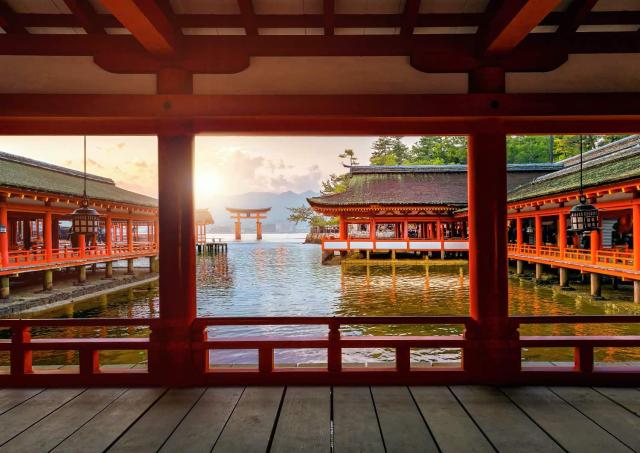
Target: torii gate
x=251, y=213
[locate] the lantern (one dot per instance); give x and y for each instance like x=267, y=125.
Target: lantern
x=86, y=220
x=583, y=216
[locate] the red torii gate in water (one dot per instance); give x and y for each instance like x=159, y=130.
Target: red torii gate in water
x=250, y=213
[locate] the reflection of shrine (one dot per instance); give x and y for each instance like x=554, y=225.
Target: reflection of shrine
x=213, y=271
x=252, y=213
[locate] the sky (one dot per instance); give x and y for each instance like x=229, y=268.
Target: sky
x=224, y=165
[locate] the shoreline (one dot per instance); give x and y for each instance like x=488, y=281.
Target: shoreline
x=77, y=294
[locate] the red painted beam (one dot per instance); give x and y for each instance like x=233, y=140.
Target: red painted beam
x=511, y=23
x=85, y=15
x=8, y=20
x=410, y=17
x=329, y=17
x=248, y=17
x=148, y=23
x=576, y=15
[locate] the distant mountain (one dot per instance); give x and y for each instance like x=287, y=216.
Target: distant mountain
x=277, y=217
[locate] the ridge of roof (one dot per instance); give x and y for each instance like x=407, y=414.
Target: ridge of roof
x=602, y=151
x=447, y=168
x=51, y=167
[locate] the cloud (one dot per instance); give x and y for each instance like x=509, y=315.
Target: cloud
x=298, y=182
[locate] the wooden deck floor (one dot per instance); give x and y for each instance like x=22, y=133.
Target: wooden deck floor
x=310, y=419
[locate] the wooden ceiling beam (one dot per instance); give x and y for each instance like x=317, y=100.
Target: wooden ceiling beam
x=319, y=20
x=329, y=17
x=512, y=21
x=575, y=15
x=8, y=20
x=86, y=16
x=410, y=17
x=248, y=17
x=148, y=23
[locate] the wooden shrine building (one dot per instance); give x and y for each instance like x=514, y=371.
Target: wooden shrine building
x=36, y=200
x=202, y=218
x=538, y=217
x=419, y=209
x=175, y=69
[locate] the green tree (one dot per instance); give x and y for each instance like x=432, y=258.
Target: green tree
x=389, y=151
x=439, y=150
x=306, y=214
x=528, y=149
x=349, y=154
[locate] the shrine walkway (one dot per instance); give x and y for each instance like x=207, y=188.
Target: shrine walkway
x=310, y=419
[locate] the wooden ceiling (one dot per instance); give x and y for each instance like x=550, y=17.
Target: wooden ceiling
x=209, y=37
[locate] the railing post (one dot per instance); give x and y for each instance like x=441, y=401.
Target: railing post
x=583, y=358
x=403, y=359
x=200, y=353
x=20, y=357
x=265, y=360
x=492, y=354
x=334, y=352
x=89, y=362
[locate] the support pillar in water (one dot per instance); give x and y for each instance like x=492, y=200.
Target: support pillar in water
x=108, y=270
x=564, y=277
x=595, y=285
x=130, y=266
x=47, y=284
x=82, y=274
x=152, y=264
x=4, y=287
x=519, y=267
x=636, y=291
x=539, y=271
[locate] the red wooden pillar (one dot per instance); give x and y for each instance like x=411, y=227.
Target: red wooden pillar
x=238, y=226
x=258, y=229
x=82, y=245
x=4, y=234
x=343, y=227
x=171, y=360
x=48, y=236
x=636, y=235
x=595, y=245
x=538, y=227
x=130, y=235
x=108, y=225
x=518, y=234
x=562, y=233
x=493, y=354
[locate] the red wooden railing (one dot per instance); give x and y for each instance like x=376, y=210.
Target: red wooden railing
x=21, y=372
x=39, y=257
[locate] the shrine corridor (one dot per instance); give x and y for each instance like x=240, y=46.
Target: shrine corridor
x=310, y=419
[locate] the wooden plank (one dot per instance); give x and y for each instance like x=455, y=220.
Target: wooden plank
x=102, y=430
x=562, y=422
x=612, y=417
x=21, y=417
x=629, y=398
x=355, y=424
x=53, y=429
x=201, y=427
x=305, y=421
x=150, y=432
x=401, y=423
x=503, y=422
x=10, y=398
x=249, y=427
x=450, y=425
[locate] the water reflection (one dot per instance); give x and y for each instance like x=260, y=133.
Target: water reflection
x=287, y=279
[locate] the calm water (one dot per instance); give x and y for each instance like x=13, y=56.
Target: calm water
x=281, y=276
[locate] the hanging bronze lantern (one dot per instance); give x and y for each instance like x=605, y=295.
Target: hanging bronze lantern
x=583, y=216
x=86, y=220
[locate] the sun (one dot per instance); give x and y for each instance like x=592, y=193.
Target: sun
x=209, y=183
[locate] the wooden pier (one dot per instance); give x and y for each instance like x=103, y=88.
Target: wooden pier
x=214, y=247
